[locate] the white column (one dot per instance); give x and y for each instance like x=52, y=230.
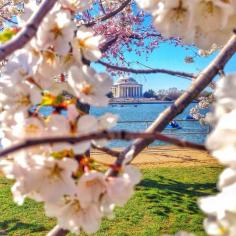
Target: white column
x=117, y=91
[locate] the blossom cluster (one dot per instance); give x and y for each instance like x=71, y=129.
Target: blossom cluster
x=222, y=142
x=53, y=72
x=199, y=22
x=198, y=111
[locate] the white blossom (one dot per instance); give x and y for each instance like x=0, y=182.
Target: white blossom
x=20, y=97
x=90, y=87
x=21, y=66
x=56, y=31
x=180, y=18
x=72, y=216
x=221, y=208
x=105, y=122
x=40, y=178
x=76, y=5
x=121, y=188
x=91, y=186
x=59, y=125
x=86, y=44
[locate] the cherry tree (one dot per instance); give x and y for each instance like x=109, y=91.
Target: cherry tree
x=47, y=54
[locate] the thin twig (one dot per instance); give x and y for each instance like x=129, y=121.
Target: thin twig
x=147, y=71
x=107, y=150
x=28, y=32
x=109, y=15
x=9, y=20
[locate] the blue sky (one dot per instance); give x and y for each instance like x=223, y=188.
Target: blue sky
x=168, y=56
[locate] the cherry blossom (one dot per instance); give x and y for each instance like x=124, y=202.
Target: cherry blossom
x=86, y=45
x=55, y=69
x=57, y=31
x=40, y=178
x=90, y=87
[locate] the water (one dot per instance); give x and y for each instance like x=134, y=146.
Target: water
x=146, y=113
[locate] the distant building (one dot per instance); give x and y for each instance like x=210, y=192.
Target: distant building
x=127, y=88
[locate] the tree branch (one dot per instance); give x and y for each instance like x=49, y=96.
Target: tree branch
x=149, y=71
x=109, y=15
x=28, y=32
x=109, y=135
x=199, y=84
x=107, y=151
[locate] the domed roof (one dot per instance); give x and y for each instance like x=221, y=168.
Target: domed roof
x=126, y=81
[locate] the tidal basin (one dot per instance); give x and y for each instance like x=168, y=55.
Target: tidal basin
x=137, y=117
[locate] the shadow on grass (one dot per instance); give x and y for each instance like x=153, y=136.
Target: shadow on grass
x=167, y=196
x=9, y=226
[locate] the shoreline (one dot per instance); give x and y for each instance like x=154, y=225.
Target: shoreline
x=137, y=102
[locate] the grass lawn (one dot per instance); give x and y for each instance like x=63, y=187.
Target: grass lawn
x=165, y=202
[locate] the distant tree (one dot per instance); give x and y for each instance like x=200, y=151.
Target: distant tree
x=149, y=94
x=110, y=95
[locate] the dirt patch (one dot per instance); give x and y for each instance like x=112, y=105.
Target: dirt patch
x=165, y=156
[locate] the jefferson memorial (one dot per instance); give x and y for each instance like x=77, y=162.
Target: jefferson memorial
x=127, y=88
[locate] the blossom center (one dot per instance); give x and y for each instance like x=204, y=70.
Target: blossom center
x=22, y=72
x=49, y=57
x=87, y=88
x=31, y=129
x=55, y=172
x=56, y=31
x=24, y=100
x=179, y=11
x=76, y=205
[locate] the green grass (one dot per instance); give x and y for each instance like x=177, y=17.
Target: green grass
x=165, y=202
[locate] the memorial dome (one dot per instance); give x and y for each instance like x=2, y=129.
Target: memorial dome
x=127, y=88
x=126, y=81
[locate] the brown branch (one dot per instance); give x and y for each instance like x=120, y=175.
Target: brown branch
x=106, y=45
x=198, y=85
x=107, y=151
x=147, y=71
x=109, y=135
x=109, y=15
x=102, y=7
x=28, y=32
